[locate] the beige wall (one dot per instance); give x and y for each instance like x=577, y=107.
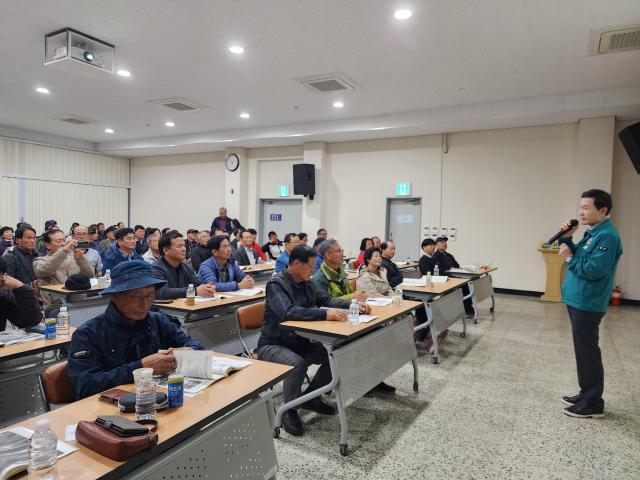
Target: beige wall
x=626, y=215
x=178, y=191
x=504, y=190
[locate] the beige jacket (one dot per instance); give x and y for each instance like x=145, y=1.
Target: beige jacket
x=54, y=269
x=372, y=284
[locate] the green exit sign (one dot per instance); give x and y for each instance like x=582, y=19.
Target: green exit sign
x=403, y=189
x=283, y=191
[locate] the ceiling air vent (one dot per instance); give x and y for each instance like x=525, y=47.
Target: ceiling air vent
x=73, y=119
x=329, y=83
x=179, y=104
x=619, y=40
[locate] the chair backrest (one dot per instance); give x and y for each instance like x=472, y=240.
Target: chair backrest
x=353, y=282
x=57, y=384
x=250, y=317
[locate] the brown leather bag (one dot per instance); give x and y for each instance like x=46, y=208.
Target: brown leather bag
x=114, y=446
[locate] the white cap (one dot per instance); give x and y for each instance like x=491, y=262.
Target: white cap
x=42, y=425
x=63, y=309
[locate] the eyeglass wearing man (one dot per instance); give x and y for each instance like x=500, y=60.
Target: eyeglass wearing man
x=105, y=350
x=291, y=296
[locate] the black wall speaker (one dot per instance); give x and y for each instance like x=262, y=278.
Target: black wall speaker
x=630, y=138
x=304, y=179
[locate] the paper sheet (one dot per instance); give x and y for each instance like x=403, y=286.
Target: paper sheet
x=246, y=292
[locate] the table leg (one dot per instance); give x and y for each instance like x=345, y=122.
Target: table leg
x=342, y=414
x=414, y=362
x=473, y=302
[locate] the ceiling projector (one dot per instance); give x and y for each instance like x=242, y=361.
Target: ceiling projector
x=68, y=48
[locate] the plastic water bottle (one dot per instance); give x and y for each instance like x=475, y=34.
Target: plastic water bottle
x=62, y=324
x=43, y=453
x=429, y=280
x=191, y=295
x=107, y=279
x=354, y=312
x=146, y=397
x=397, y=297
x=436, y=271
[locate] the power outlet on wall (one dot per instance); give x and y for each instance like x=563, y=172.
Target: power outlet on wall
x=453, y=233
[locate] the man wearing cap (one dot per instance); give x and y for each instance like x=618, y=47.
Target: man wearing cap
x=106, y=350
x=446, y=262
x=426, y=264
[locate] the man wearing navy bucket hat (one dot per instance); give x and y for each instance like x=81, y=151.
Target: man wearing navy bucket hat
x=106, y=350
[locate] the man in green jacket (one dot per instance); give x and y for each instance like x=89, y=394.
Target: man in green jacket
x=591, y=267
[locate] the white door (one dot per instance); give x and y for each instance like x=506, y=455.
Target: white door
x=403, y=226
x=281, y=216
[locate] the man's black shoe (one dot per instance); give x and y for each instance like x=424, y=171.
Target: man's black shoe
x=291, y=423
x=384, y=388
x=569, y=401
x=583, y=411
x=318, y=406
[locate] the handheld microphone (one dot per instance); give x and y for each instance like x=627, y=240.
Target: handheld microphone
x=572, y=224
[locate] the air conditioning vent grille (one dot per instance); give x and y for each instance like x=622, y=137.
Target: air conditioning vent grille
x=329, y=83
x=619, y=40
x=73, y=119
x=179, y=104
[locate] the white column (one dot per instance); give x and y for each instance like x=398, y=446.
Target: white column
x=593, y=164
x=313, y=211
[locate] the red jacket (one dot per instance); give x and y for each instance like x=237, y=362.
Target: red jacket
x=260, y=252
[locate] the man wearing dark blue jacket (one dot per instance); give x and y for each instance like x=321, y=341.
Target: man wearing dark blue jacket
x=221, y=269
x=106, y=350
x=18, y=302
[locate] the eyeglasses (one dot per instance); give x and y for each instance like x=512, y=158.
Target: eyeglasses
x=142, y=298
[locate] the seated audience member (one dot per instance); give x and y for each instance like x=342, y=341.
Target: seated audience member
x=304, y=239
x=94, y=238
x=331, y=277
x=254, y=234
x=152, y=254
x=445, y=262
x=141, y=244
x=62, y=260
x=273, y=248
x=20, y=257
x=191, y=241
x=222, y=222
x=316, y=248
x=425, y=265
x=101, y=231
x=175, y=271
x=394, y=275
x=236, y=225
x=80, y=233
x=291, y=296
x=372, y=276
x=106, y=350
x=377, y=243
x=200, y=252
x=48, y=225
x=291, y=241
x=18, y=302
x=125, y=250
x=109, y=242
x=73, y=226
x=121, y=225
x=235, y=240
x=6, y=239
x=221, y=269
x=165, y=230
x=246, y=254
x=321, y=233
x=220, y=233
x=365, y=244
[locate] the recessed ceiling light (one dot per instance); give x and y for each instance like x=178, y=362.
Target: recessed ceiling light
x=338, y=104
x=245, y=115
x=124, y=73
x=402, y=14
x=169, y=124
x=108, y=130
x=42, y=90
x=237, y=49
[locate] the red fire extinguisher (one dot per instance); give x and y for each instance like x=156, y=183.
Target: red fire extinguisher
x=616, y=296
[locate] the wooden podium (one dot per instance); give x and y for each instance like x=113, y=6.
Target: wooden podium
x=555, y=265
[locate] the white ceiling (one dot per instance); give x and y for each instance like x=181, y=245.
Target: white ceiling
x=455, y=65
